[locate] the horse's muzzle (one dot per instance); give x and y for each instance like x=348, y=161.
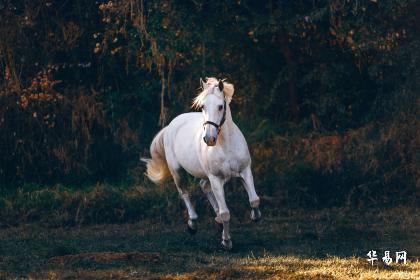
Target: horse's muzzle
x=210, y=140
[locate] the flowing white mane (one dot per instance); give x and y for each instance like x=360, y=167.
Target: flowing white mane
x=208, y=87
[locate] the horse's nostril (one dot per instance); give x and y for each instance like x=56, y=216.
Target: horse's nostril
x=209, y=140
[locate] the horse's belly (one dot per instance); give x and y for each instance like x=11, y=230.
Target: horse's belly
x=198, y=173
x=192, y=165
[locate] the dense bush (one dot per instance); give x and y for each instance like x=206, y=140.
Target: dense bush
x=326, y=91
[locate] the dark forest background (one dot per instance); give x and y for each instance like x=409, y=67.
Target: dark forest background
x=326, y=95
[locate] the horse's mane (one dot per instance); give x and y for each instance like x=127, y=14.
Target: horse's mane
x=209, y=84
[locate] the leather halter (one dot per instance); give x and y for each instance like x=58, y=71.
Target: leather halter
x=222, y=121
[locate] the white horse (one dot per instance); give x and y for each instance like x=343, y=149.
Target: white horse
x=209, y=146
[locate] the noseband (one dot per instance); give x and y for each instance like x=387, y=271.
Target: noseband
x=222, y=121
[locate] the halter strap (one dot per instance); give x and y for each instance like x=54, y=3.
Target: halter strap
x=222, y=121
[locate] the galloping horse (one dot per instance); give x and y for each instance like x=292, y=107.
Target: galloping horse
x=207, y=145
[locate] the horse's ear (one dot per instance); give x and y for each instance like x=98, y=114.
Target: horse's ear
x=201, y=83
x=228, y=90
x=221, y=85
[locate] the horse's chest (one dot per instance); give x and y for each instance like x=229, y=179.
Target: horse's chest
x=228, y=164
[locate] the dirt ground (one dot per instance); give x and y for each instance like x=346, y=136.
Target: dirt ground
x=318, y=244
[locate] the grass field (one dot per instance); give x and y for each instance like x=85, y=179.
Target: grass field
x=321, y=244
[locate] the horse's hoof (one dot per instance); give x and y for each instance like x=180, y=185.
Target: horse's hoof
x=255, y=214
x=227, y=244
x=192, y=226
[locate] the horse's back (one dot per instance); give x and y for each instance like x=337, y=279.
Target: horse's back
x=191, y=118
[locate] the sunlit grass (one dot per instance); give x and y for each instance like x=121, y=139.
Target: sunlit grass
x=292, y=267
x=268, y=267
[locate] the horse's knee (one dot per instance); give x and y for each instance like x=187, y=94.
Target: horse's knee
x=225, y=216
x=205, y=186
x=255, y=203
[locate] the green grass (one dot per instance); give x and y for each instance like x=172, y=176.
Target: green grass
x=323, y=244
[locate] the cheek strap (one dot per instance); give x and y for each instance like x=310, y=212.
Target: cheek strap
x=222, y=121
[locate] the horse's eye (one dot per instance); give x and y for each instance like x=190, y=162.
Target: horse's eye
x=220, y=107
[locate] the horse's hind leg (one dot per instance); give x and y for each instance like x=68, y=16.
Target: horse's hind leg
x=179, y=179
x=254, y=200
x=206, y=187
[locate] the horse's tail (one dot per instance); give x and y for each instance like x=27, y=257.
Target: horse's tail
x=157, y=167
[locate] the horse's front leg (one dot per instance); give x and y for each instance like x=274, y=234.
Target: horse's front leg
x=224, y=214
x=254, y=200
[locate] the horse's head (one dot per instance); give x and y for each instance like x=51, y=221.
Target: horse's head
x=213, y=101
x=214, y=112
